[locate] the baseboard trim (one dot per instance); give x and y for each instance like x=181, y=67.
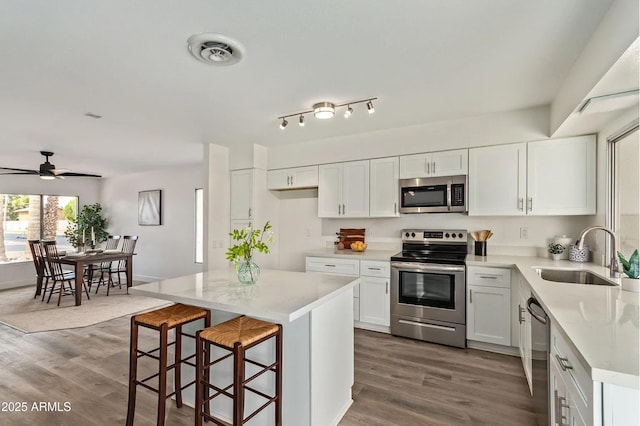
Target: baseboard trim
x=491, y=347
x=372, y=327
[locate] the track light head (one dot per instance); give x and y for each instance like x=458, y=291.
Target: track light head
x=284, y=123
x=370, y=107
x=301, y=120
x=324, y=110
x=348, y=111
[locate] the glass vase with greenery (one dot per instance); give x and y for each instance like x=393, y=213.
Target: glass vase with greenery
x=90, y=227
x=241, y=254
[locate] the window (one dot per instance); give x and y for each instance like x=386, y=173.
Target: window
x=624, y=193
x=199, y=249
x=37, y=217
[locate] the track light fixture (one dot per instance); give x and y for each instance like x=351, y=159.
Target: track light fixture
x=370, y=107
x=325, y=110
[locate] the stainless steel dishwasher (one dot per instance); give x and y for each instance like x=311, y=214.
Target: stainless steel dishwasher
x=540, y=360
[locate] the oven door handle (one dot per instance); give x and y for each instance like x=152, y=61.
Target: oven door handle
x=406, y=266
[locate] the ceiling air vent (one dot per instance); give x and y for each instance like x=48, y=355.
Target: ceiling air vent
x=215, y=49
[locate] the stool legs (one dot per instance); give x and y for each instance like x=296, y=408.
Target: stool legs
x=238, y=383
x=278, y=401
x=162, y=377
x=133, y=371
x=177, y=370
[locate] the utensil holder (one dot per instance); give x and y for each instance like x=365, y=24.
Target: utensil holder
x=481, y=248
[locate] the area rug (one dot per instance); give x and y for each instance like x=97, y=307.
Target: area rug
x=19, y=310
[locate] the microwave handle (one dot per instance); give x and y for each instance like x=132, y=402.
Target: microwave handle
x=449, y=197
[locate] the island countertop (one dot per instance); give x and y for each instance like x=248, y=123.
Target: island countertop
x=279, y=296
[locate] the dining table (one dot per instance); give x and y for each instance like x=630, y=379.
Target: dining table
x=80, y=260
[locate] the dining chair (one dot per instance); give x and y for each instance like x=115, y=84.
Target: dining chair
x=40, y=264
x=58, y=275
x=128, y=246
x=104, y=267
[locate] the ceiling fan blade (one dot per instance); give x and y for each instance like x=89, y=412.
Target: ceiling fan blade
x=59, y=171
x=25, y=171
x=18, y=173
x=77, y=174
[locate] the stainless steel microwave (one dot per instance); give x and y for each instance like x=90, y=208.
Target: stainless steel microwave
x=433, y=195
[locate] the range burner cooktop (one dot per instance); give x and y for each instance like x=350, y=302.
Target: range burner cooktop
x=433, y=246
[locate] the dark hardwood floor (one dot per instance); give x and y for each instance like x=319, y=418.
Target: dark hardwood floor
x=397, y=381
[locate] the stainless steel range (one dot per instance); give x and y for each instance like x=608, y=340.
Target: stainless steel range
x=428, y=286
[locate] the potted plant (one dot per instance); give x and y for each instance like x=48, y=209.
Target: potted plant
x=88, y=228
x=241, y=254
x=631, y=269
x=555, y=250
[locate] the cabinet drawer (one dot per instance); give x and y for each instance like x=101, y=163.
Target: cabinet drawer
x=329, y=265
x=371, y=268
x=489, y=277
x=577, y=378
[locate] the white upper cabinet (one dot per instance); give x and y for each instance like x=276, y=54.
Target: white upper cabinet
x=242, y=194
x=561, y=176
x=497, y=180
x=295, y=178
x=343, y=189
x=383, y=196
x=551, y=177
x=443, y=163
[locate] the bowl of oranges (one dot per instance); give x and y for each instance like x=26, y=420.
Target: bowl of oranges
x=358, y=246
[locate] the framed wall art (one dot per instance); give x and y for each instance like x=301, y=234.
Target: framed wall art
x=150, y=208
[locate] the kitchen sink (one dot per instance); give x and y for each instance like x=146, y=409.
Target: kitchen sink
x=575, y=276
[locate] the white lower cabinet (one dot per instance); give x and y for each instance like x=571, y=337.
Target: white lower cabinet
x=371, y=299
x=571, y=391
x=375, y=301
x=337, y=266
x=489, y=305
x=524, y=323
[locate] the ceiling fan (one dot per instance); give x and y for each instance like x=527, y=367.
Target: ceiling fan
x=46, y=170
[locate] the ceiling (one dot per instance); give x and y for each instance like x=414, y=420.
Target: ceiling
x=426, y=60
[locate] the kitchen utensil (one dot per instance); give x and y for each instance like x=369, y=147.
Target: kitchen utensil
x=475, y=236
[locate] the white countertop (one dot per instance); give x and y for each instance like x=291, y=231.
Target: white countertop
x=382, y=255
x=600, y=321
x=279, y=296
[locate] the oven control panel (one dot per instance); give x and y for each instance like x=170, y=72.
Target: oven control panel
x=434, y=235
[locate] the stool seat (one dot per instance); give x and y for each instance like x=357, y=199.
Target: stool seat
x=173, y=315
x=243, y=330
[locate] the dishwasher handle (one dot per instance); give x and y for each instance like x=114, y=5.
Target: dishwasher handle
x=541, y=318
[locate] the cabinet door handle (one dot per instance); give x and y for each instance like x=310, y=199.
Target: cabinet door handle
x=433, y=169
x=374, y=269
x=530, y=203
x=339, y=209
x=330, y=266
x=520, y=314
x=564, y=363
x=562, y=404
x=291, y=180
x=521, y=204
x=428, y=164
x=395, y=207
x=489, y=277
x=288, y=180
x=470, y=296
x=344, y=211
x=250, y=212
x=386, y=287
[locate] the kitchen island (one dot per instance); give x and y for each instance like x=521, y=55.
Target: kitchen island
x=316, y=314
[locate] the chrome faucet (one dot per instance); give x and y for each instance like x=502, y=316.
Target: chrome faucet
x=614, y=267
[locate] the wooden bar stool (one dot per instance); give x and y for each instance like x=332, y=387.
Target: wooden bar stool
x=237, y=335
x=162, y=320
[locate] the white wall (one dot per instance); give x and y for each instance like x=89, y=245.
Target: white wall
x=164, y=251
x=490, y=129
x=87, y=189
